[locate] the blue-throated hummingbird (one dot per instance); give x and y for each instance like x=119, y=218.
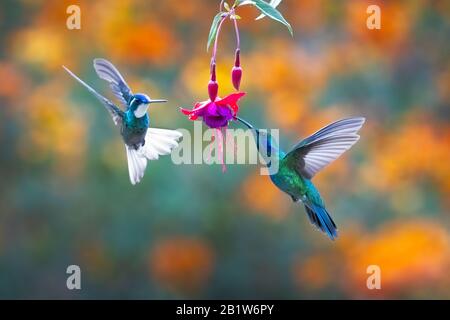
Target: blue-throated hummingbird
x=142, y=143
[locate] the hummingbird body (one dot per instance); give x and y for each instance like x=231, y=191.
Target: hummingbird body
x=133, y=129
x=289, y=181
x=142, y=143
x=304, y=160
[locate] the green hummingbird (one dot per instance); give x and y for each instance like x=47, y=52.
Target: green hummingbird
x=141, y=142
x=292, y=172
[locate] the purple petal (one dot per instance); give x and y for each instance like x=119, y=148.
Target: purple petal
x=225, y=112
x=215, y=121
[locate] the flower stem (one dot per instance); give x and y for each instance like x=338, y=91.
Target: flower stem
x=238, y=39
x=213, y=59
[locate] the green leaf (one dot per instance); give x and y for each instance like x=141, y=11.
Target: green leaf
x=213, y=30
x=244, y=2
x=272, y=13
x=273, y=3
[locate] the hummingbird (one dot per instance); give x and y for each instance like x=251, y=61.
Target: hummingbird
x=141, y=142
x=298, y=166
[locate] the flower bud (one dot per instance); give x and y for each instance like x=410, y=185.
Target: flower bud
x=213, y=89
x=236, y=76
x=213, y=86
x=236, y=72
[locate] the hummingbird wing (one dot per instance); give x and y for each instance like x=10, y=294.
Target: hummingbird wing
x=106, y=71
x=157, y=142
x=326, y=145
x=114, y=111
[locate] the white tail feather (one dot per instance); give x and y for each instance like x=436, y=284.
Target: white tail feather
x=136, y=165
x=157, y=142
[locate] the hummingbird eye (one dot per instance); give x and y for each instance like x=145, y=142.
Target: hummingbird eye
x=142, y=99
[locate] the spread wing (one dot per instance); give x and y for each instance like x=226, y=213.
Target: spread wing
x=106, y=71
x=326, y=145
x=157, y=142
x=114, y=111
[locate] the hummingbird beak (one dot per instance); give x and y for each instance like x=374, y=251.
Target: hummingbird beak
x=157, y=101
x=248, y=125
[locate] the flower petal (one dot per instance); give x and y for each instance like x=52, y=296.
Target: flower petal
x=197, y=111
x=189, y=113
x=186, y=111
x=215, y=121
x=225, y=112
x=231, y=99
x=212, y=110
x=201, y=105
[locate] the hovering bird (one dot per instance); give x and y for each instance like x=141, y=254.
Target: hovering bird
x=297, y=167
x=142, y=143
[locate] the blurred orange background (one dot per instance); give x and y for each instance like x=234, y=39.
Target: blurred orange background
x=191, y=231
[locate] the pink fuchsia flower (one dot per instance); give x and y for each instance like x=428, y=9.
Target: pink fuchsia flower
x=217, y=113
